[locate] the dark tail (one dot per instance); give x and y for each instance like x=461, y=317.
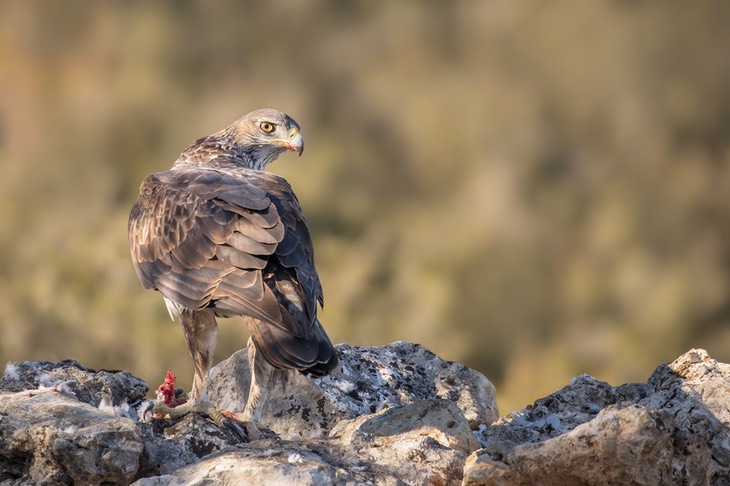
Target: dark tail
x=312, y=354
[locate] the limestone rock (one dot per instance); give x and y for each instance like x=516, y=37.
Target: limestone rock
x=71, y=424
x=368, y=380
x=392, y=415
x=117, y=388
x=173, y=444
x=440, y=420
x=47, y=437
x=419, y=443
x=252, y=467
x=410, y=429
x=675, y=429
x=632, y=445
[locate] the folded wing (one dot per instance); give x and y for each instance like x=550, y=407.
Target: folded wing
x=237, y=244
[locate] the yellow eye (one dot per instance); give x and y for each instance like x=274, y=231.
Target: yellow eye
x=267, y=127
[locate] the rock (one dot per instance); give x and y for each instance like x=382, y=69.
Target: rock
x=632, y=445
x=368, y=380
x=401, y=406
x=47, y=437
x=671, y=430
x=440, y=420
x=252, y=467
x=392, y=415
x=170, y=445
x=419, y=443
x=116, y=388
x=72, y=424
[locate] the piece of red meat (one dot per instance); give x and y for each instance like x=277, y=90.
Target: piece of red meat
x=166, y=392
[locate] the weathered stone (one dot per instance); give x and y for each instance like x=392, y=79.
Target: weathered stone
x=170, y=445
x=695, y=390
x=253, y=467
x=411, y=459
x=401, y=420
x=392, y=447
x=632, y=445
x=672, y=430
x=47, y=437
x=70, y=377
x=440, y=420
x=424, y=442
x=368, y=380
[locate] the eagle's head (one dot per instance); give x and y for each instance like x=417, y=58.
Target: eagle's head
x=263, y=135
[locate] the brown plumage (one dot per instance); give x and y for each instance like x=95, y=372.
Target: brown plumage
x=218, y=237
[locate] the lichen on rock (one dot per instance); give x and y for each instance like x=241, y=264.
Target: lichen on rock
x=392, y=415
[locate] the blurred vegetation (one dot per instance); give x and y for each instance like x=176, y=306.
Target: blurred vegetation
x=536, y=189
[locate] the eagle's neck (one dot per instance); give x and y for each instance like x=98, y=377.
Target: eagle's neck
x=218, y=153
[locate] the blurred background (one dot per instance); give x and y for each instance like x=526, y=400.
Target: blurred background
x=535, y=189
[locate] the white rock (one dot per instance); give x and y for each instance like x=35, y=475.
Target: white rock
x=368, y=380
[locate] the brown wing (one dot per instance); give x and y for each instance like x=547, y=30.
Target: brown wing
x=239, y=245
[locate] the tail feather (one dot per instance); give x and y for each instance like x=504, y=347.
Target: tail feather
x=312, y=354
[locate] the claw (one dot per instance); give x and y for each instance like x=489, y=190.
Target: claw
x=245, y=430
x=252, y=429
x=228, y=420
x=235, y=427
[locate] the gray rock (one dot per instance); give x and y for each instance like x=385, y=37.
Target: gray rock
x=72, y=378
x=392, y=415
x=440, y=420
x=71, y=424
x=631, y=445
x=47, y=437
x=400, y=402
x=423, y=442
x=672, y=430
x=170, y=445
x=278, y=465
x=368, y=380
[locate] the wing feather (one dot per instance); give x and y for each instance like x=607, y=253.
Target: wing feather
x=239, y=259
x=249, y=245
x=263, y=235
x=235, y=242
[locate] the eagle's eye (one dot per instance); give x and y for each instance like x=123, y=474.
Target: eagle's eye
x=267, y=127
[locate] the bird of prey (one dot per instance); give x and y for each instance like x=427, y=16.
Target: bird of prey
x=218, y=236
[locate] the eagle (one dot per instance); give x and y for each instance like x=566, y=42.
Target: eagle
x=218, y=236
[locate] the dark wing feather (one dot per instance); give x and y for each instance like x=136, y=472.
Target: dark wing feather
x=295, y=251
x=239, y=245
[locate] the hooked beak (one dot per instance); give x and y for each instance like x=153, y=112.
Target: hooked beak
x=295, y=141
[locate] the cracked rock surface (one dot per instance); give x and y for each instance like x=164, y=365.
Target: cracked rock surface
x=368, y=380
x=392, y=415
x=674, y=429
x=405, y=417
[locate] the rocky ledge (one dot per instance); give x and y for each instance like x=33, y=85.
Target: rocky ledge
x=394, y=414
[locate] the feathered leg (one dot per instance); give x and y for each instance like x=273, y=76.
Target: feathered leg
x=261, y=373
x=201, y=332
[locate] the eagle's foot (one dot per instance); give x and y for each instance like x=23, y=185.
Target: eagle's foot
x=242, y=421
x=162, y=410
x=242, y=428
x=244, y=431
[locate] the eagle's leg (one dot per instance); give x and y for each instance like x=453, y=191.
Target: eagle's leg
x=201, y=332
x=261, y=375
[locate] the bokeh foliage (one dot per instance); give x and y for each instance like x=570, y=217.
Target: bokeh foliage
x=537, y=189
